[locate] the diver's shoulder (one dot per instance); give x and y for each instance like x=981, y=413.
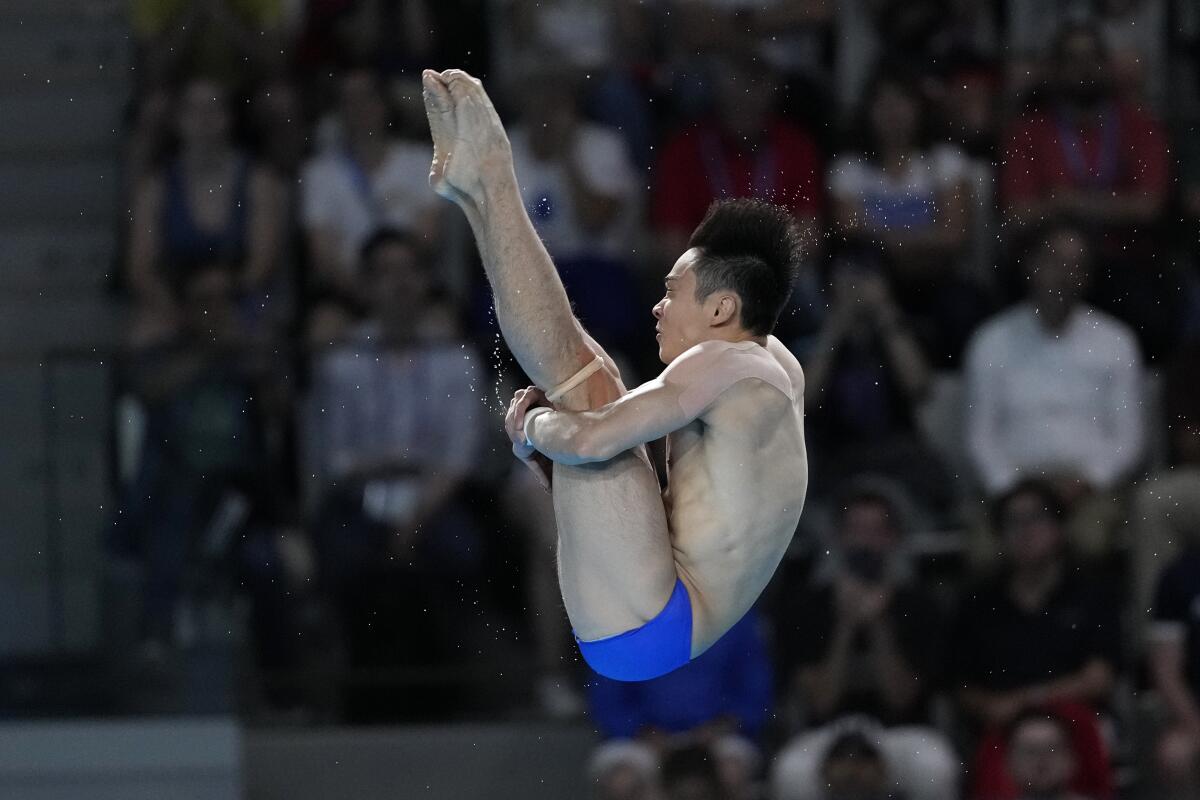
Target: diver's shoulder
x=788, y=362
x=718, y=361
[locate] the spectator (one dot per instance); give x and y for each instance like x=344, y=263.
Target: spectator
x=1166, y=508
x=968, y=103
x=901, y=188
x=396, y=38
x=908, y=202
x=852, y=768
x=393, y=426
x=149, y=122
x=1041, y=758
x=1054, y=388
x=721, y=699
x=865, y=640
x=204, y=383
x=1182, y=405
x=1174, y=660
x=791, y=37
x=1040, y=634
x=923, y=34
x=576, y=180
x=1188, y=229
x=1085, y=152
x=386, y=36
x=691, y=773
x=1133, y=29
x=1086, y=155
x=606, y=44
x=623, y=770
x=556, y=689
x=280, y=126
x=236, y=40
x=744, y=149
x=583, y=197
x=211, y=204
x=364, y=180
x=866, y=376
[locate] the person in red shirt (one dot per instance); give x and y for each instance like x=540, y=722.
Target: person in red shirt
x=1099, y=161
x=745, y=149
x=1085, y=154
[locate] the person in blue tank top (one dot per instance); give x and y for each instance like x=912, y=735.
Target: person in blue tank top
x=211, y=203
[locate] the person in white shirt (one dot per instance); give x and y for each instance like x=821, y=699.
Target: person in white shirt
x=606, y=45
x=906, y=202
x=1054, y=386
x=373, y=395
x=365, y=181
x=581, y=192
x=576, y=179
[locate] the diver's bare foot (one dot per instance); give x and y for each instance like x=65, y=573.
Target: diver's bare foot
x=469, y=142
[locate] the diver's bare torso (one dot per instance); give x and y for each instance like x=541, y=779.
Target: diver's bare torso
x=736, y=481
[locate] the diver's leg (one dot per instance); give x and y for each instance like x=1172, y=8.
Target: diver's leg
x=616, y=564
x=615, y=560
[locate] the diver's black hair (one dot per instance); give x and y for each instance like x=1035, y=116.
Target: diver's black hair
x=752, y=248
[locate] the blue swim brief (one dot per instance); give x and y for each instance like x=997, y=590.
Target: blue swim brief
x=661, y=645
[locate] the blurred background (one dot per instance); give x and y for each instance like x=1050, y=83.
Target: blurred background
x=264, y=537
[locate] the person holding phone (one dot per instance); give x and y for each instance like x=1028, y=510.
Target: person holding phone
x=862, y=640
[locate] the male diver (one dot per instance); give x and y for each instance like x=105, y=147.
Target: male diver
x=650, y=579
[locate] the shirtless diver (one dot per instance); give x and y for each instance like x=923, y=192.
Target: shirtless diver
x=650, y=578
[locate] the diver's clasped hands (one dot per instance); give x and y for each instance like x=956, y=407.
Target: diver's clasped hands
x=514, y=419
x=514, y=426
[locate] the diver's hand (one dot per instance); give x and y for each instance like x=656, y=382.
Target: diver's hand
x=514, y=426
x=514, y=420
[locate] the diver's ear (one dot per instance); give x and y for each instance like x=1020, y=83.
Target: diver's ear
x=724, y=309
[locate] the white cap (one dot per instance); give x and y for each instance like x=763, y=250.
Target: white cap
x=622, y=752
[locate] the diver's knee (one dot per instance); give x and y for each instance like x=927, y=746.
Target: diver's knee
x=594, y=385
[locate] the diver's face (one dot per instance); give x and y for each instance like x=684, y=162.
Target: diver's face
x=682, y=320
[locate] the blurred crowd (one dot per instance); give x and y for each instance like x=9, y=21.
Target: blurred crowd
x=994, y=592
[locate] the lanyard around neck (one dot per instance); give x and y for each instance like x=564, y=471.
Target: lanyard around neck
x=1108, y=161
x=716, y=167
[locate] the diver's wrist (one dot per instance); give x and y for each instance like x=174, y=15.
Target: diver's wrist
x=530, y=416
